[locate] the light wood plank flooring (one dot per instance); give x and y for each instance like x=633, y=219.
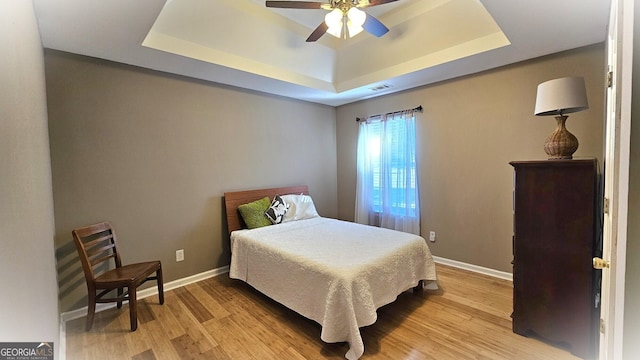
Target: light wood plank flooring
x=220, y=318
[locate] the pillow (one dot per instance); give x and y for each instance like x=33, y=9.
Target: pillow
x=300, y=207
x=253, y=213
x=276, y=211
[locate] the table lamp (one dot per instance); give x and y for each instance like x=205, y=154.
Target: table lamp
x=559, y=97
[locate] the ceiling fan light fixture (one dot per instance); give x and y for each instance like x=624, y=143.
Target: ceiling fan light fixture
x=357, y=16
x=344, y=20
x=353, y=30
x=333, y=20
x=355, y=20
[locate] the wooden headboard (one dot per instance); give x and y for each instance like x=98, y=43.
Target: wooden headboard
x=235, y=198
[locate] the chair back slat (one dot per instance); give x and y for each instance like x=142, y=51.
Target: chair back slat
x=100, y=251
x=89, y=244
x=98, y=261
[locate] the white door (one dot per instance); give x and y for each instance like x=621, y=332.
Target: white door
x=616, y=176
x=610, y=179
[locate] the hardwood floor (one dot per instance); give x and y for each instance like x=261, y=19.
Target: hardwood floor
x=220, y=318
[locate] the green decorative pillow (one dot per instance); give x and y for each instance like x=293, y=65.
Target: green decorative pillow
x=253, y=213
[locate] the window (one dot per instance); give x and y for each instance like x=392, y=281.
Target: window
x=387, y=193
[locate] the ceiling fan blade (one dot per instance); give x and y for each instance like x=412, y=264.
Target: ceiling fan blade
x=369, y=3
x=295, y=4
x=318, y=32
x=374, y=26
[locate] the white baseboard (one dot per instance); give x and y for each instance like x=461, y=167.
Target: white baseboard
x=150, y=291
x=474, y=268
x=62, y=340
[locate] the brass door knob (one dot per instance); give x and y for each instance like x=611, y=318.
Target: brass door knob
x=600, y=264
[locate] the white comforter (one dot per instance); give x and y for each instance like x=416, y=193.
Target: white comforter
x=334, y=272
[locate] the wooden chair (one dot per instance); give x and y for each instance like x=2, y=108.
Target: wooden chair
x=96, y=244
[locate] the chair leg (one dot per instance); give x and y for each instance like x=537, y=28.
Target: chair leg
x=160, y=286
x=119, y=304
x=91, y=309
x=133, y=308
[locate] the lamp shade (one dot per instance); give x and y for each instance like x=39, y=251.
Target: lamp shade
x=561, y=96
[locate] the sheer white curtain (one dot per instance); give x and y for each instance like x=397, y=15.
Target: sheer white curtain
x=387, y=177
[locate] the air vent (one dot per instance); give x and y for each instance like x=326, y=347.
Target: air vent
x=380, y=87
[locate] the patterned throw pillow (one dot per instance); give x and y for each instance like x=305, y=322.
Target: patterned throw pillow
x=253, y=213
x=276, y=211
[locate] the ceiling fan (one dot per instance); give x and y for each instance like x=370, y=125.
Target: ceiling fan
x=345, y=18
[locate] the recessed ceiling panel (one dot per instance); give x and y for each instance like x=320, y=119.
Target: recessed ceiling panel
x=245, y=35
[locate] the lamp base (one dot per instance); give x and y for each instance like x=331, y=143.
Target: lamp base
x=561, y=144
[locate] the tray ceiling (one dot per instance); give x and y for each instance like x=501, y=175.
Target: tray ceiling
x=245, y=44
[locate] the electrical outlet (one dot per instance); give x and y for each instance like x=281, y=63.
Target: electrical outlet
x=432, y=236
x=179, y=255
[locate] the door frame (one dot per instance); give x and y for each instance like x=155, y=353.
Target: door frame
x=616, y=189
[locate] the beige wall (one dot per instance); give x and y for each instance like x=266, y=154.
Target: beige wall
x=28, y=308
x=471, y=128
x=154, y=153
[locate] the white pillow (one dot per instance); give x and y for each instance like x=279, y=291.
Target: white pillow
x=300, y=207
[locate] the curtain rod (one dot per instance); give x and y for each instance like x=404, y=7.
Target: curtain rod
x=418, y=109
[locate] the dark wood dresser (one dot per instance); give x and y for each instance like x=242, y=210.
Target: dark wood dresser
x=554, y=283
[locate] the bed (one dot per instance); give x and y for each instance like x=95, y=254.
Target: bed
x=334, y=272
